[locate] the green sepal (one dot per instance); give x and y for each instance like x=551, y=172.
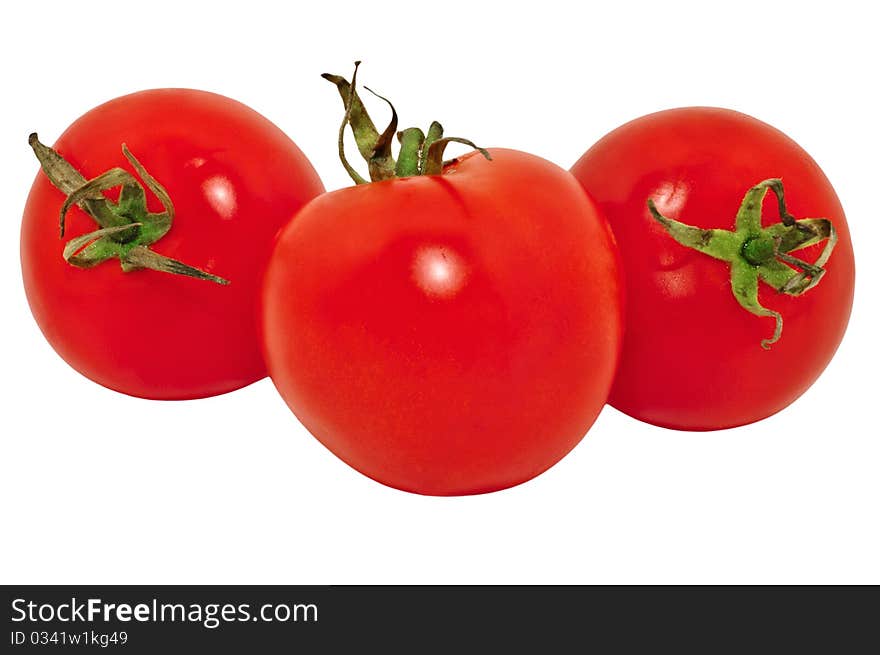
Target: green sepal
x=365, y=133
x=67, y=180
x=716, y=243
x=810, y=231
x=381, y=163
x=744, y=283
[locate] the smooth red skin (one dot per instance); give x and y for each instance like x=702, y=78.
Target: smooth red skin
x=156, y=335
x=692, y=358
x=479, y=387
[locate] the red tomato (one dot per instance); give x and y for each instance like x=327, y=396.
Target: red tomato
x=692, y=356
x=447, y=334
x=234, y=178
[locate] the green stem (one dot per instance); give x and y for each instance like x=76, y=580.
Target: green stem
x=411, y=140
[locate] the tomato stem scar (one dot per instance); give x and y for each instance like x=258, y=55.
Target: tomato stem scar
x=755, y=252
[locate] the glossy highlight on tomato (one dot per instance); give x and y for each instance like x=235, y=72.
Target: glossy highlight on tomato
x=692, y=357
x=234, y=179
x=447, y=334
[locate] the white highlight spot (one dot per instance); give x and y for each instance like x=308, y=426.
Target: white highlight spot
x=220, y=194
x=439, y=271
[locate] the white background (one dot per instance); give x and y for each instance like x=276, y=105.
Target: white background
x=99, y=487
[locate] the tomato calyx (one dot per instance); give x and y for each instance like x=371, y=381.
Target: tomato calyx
x=755, y=252
x=420, y=153
x=127, y=229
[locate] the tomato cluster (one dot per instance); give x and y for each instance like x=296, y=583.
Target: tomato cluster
x=444, y=326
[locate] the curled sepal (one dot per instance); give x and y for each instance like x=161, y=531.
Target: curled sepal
x=810, y=231
x=382, y=165
x=433, y=163
x=756, y=252
x=349, y=99
x=365, y=132
x=151, y=182
x=744, y=282
x=126, y=226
